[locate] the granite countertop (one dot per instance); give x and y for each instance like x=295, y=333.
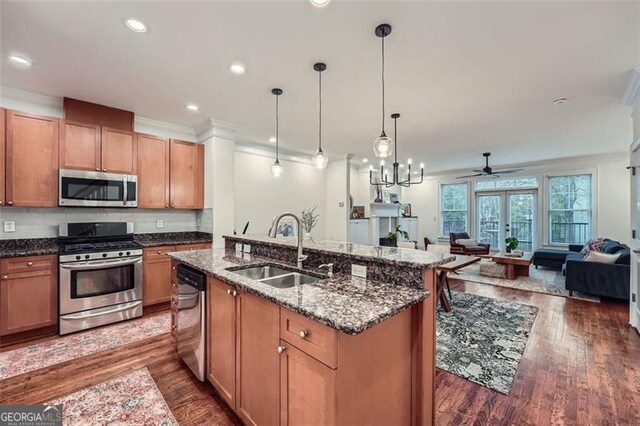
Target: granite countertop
x=403, y=257
x=28, y=247
x=172, y=238
x=346, y=303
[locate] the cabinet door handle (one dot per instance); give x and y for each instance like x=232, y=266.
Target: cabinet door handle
x=97, y=169
x=29, y=263
x=104, y=170
x=5, y=277
x=10, y=203
x=303, y=334
x=173, y=206
x=159, y=251
x=281, y=349
x=166, y=206
x=235, y=293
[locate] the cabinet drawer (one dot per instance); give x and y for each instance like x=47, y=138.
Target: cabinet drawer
x=26, y=264
x=158, y=253
x=198, y=246
x=311, y=337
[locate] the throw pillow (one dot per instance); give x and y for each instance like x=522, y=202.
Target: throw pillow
x=594, y=244
x=595, y=256
x=467, y=242
x=611, y=247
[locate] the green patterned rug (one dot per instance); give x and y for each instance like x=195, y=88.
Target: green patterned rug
x=483, y=339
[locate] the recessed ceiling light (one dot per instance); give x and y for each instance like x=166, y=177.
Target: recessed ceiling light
x=20, y=60
x=319, y=3
x=237, y=68
x=272, y=139
x=559, y=101
x=135, y=25
x=192, y=107
x=365, y=160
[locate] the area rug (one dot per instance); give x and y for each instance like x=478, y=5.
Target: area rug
x=132, y=399
x=45, y=354
x=483, y=339
x=547, y=281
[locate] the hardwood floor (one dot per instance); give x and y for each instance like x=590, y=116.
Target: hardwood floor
x=581, y=366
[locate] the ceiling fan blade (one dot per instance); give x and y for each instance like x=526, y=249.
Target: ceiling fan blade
x=478, y=170
x=508, y=171
x=470, y=176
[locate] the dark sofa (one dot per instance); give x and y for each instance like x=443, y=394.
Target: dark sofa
x=600, y=279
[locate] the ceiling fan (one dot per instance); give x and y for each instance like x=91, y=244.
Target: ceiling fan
x=488, y=171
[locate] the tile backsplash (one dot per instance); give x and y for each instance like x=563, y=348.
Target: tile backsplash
x=43, y=222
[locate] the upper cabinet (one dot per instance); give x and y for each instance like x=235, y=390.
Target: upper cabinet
x=186, y=175
x=91, y=147
x=31, y=160
x=2, y=160
x=153, y=172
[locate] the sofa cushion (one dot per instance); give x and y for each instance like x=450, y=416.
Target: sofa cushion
x=467, y=242
x=551, y=254
x=625, y=257
x=575, y=256
x=595, y=256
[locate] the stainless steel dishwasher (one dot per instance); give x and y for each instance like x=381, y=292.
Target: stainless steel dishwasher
x=192, y=285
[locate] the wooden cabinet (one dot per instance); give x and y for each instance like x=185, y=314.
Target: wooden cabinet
x=359, y=231
x=258, y=360
x=307, y=389
x=2, y=156
x=31, y=160
x=153, y=172
x=157, y=273
x=28, y=293
x=119, y=151
x=85, y=146
x=410, y=224
x=186, y=175
x=80, y=146
x=221, y=329
x=190, y=247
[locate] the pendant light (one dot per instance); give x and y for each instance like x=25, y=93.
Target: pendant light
x=320, y=159
x=383, y=145
x=383, y=179
x=276, y=168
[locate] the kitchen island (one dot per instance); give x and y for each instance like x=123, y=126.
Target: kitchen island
x=339, y=350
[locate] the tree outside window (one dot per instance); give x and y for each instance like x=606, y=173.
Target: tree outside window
x=570, y=209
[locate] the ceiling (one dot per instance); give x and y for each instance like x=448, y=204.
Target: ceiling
x=466, y=77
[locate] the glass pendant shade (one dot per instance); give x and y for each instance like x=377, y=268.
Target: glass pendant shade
x=277, y=169
x=320, y=160
x=383, y=146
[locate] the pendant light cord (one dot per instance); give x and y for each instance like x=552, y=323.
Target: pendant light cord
x=395, y=138
x=383, y=83
x=277, y=127
x=320, y=111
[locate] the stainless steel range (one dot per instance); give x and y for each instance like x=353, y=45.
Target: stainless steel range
x=100, y=274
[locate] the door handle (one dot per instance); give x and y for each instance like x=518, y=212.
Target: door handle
x=96, y=314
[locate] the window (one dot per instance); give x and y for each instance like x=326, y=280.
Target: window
x=569, y=209
x=530, y=182
x=453, y=208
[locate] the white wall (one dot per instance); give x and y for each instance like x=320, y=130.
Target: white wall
x=259, y=197
x=338, y=174
x=612, y=194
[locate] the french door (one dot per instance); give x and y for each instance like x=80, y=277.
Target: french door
x=503, y=214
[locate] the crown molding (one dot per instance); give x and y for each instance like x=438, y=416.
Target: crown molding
x=164, y=129
x=631, y=94
x=263, y=150
x=22, y=100
x=216, y=128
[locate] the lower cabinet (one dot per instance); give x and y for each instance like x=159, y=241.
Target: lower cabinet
x=156, y=273
x=28, y=293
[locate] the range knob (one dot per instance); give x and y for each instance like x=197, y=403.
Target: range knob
x=120, y=254
x=77, y=257
x=128, y=253
x=86, y=256
x=104, y=254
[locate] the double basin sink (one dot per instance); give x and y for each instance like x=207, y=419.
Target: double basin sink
x=275, y=276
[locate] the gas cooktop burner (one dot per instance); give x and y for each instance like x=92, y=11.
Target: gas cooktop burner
x=98, y=247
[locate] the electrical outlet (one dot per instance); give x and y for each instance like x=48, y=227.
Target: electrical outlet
x=359, y=271
x=159, y=223
x=9, y=226
x=247, y=248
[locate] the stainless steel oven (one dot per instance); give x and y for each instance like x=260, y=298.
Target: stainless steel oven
x=97, y=189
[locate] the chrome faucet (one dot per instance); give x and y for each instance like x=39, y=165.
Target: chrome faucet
x=274, y=230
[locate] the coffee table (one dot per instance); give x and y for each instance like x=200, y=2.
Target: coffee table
x=441, y=277
x=516, y=266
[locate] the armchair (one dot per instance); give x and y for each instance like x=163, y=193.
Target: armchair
x=479, y=249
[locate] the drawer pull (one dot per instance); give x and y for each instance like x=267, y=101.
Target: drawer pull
x=229, y=291
x=29, y=263
x=173, y=327
x=281, y=349
x=159, y=251
x=10, y=203
x=303, y=334
x=5, y=277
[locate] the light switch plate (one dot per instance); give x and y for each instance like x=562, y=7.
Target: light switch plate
x=359, y=271
x=9, y=226
x=159, y=223
x=247, y=248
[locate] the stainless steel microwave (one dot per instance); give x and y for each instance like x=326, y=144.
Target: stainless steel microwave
x=96, y=189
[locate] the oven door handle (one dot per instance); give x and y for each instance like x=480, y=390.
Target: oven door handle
x=81, y=316
x=100, y=265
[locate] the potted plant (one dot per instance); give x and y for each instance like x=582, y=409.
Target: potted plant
x=392, y=238
x=512, y=244
x=309, y=221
